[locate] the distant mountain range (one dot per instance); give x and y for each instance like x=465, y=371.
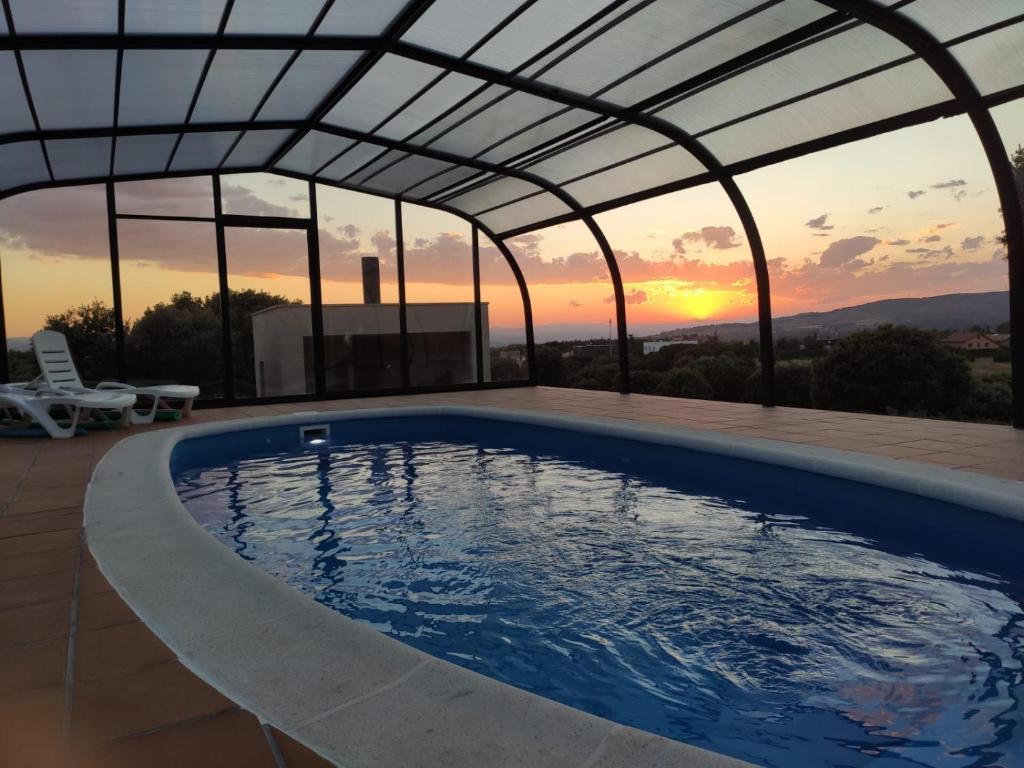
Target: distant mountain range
x=949, y=312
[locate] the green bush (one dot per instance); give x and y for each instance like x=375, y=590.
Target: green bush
x=686, y=382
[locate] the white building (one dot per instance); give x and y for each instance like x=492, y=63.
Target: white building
x=654, y=346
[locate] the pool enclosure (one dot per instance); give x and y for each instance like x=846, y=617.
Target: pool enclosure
x=513, y=115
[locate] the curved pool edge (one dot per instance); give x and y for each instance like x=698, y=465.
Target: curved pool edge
x=275, y=651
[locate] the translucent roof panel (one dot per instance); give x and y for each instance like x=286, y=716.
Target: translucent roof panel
x=353, y=159
x=360, y=17
x=157, y=86
x=671, y=41
x=378, y=164
x=180, y=17
x=255, y=148
x=431, y=185
x=72, y=89
x=38, y=17
x=308, y=81
x=495, y=193
x=14, y=112
x=314, y=151
x=996, y=61
x=447, y=27
x=22, y=163
x=384, y=89
x=268, y=17
x=799, y=72
x=525, y=212
x=79, y=158
x=409, y=172
x=202, y=150
x=947, y=23
x=648, y=172
x=452, y=89
x=236, y=83
x=888, y=93
x=547, y=129
x=143, y=154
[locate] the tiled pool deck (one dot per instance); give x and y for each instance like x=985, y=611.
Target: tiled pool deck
x=84, y=683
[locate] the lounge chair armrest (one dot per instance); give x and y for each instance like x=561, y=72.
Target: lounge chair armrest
x=113, y=385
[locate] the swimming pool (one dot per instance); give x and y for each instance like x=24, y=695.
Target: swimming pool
x=780, y=616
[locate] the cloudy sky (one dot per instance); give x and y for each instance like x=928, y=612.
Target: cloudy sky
x=912, y=213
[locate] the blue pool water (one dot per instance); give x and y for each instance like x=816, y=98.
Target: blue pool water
x=781, y=617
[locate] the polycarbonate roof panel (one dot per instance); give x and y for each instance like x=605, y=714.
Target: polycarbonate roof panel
x=313, y=151
x=172, y=17
x=14, y=112
x=202, y=150
x=429, y=186
x=352, y=161
x=143, y=154
x=525, y=212
x=652, y=170
x=360, y=17
x=947, y=21
x=268, y=17
x=79, y=158
x=236, y=83
x=996, y=61
x=384, y=89
x=888, y=93
x=56, y=17
x=447, y=27
x=256, y=147
x=411, y=171
x=493, y=194
x=798, y=72
x=157, y=86
x=308, y=81
x=72, y=89
x=22, y=163
x=452, y=89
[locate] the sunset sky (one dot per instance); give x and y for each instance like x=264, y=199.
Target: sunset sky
x=912, y=213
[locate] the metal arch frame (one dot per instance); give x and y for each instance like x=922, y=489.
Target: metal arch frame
x=948, y=69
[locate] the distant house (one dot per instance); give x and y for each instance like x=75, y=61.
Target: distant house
x=971, y=340
x=653, y=346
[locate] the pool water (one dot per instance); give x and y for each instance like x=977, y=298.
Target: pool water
x=781, y=617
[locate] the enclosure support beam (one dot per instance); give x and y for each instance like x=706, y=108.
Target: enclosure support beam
x=403, y=324
x=478, y=324
x=5, y=364
x=955, y=77
x=115, y=283
x=315, y=295
x=225, y=310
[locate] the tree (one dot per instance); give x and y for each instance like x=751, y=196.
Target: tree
x=686, y=382
x=179, y=341
x=92, y=336
x=726, y=374
x=550, y=365
x=893, y=369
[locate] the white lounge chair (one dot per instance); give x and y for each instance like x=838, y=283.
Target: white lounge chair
x=59, y=373
x=60, y=414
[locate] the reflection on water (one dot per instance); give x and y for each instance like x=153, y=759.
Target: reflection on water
x=745, y=625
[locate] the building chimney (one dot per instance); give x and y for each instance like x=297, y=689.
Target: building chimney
x=371, y=280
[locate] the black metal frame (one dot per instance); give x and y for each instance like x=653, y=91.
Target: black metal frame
x=846, y=14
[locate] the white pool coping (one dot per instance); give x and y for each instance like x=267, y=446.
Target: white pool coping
x=354, y=695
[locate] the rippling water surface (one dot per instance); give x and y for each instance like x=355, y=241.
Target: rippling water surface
x=768, y=614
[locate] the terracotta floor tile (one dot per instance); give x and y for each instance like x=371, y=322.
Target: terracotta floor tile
x=36, y=563
x=22, y=525
x=148, y=698
x=31, y=666
x=103, y=609
x=47, y=502
x=39, y=542
x=117, y=649
x=298, y=755
x=230, y=739
x=92, y=582
x=34, y=622
x=37, y=589
x=31, y=728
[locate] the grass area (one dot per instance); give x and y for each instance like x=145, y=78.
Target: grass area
x=986, y=366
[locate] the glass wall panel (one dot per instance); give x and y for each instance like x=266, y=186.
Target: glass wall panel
x=504, y=319
x=439, y=298
x=359, y=284
x=171, y=298
x=271, y=322
x=187, y=196
x=264, y=194
x=889, y=277
x=691, y=298
x=56, y=274
x=573, y=307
